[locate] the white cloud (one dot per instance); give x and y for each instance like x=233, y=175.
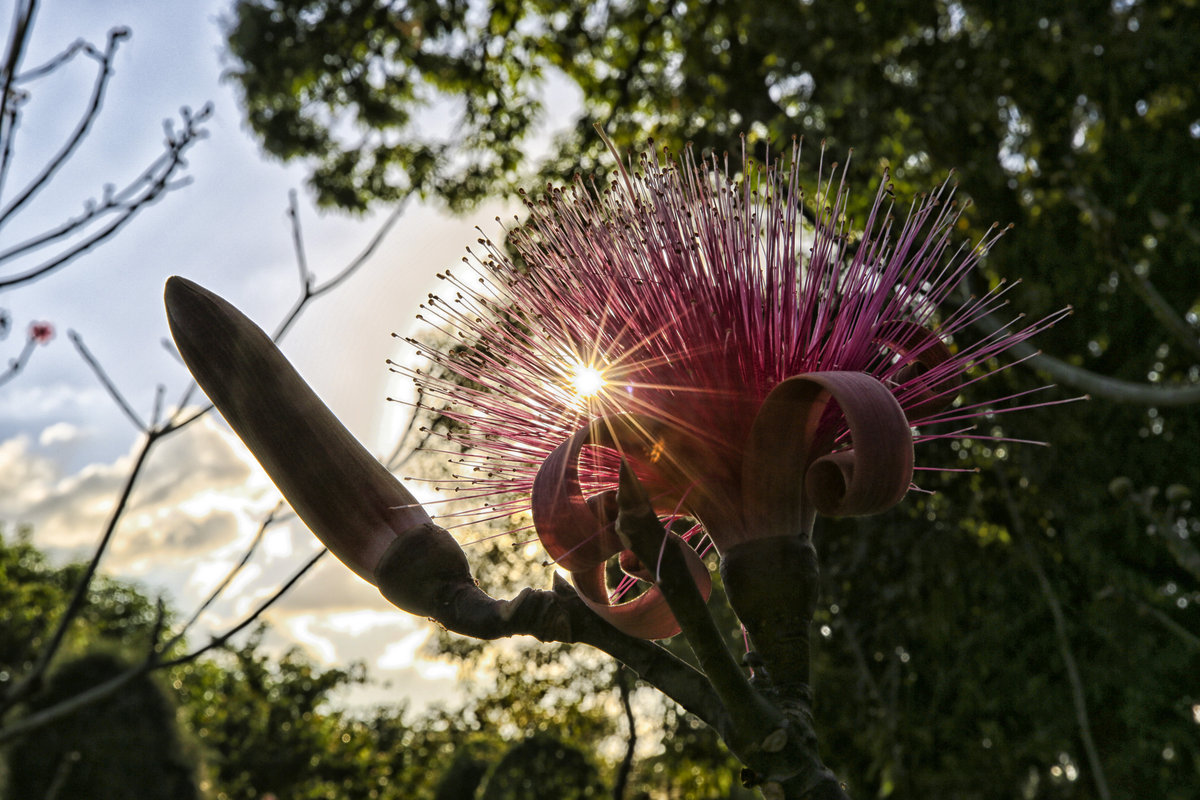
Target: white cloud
x=25, y=477
x=196, y=506
x=196, y=493
x=59, y=433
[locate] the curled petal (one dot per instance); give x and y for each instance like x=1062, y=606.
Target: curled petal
x=647, y=615
x=579, y=536
x=791, y=469
x=926, y=386
x=576, y=534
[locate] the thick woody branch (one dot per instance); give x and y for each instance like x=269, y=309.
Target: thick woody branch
x=639, y=528
x=776, y=742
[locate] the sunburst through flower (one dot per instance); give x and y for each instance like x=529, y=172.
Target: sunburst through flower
x=751, y=355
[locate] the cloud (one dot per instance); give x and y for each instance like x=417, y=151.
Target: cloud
x=59, y=433
x=196, y=506
x=24, y=475
x=197, y=492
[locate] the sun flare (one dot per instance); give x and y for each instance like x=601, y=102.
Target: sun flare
x=587, y=381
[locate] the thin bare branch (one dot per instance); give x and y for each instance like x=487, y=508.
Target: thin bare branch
x=106, y=381
x=267, y=521
x=1078, y=696
x=293, y=212
x=17, y=364
x=85, y=123
x=621, y=782
x=311, y=291
x=23, y=14
x=71, y=705
x=57, y=61
x=33, y=679
x=394, y=460
x=223, y=639
x=143, y=191
x=156, y=413
x=179, y=419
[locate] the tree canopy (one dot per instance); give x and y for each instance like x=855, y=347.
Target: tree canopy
x=1030, y=629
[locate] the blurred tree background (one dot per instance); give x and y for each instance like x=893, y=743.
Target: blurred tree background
x=244, y=723
x=1029, y=630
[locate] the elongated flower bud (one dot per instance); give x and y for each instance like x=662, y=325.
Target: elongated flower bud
x=346, y=497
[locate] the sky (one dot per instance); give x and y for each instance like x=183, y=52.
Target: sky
x=66, y=447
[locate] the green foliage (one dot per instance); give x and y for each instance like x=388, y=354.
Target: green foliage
x=33, y=593
x=266, y=725
x=125, y=747
x=260, y=723
x=542, y=768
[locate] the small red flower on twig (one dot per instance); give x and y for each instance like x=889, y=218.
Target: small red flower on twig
x=41, y=332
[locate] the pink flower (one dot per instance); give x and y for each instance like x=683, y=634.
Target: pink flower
x=41, y=332
x=753, y=364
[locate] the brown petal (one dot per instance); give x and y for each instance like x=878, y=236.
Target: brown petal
x=647, y=616
x=790, y=469
x=578, y=533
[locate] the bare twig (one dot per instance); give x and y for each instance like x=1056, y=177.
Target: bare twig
x=621, y=782
x=149, y=187
x=223, y=639
x=106, y=381
x=1078, y=697
x=293, y=212
x=153, y=662
x=311, y=290
x=23, y=14
x=55, y=62
x=32, y=681
x=40, y=180
x=267, y=521
x=17, y=364
x=176, y=421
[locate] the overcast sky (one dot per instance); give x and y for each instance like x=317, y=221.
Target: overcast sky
x=65, y=447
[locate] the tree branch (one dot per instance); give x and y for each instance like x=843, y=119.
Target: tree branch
x=89, y=116
x=22, y=27
x=176, y=421
x=1174, y=324
x=621, y=781
x=32, y=681
x=154, y=182
x=17, y=364
x=1078, y=698
x=152, y=663
x=1114, y=389
x=106, y=382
